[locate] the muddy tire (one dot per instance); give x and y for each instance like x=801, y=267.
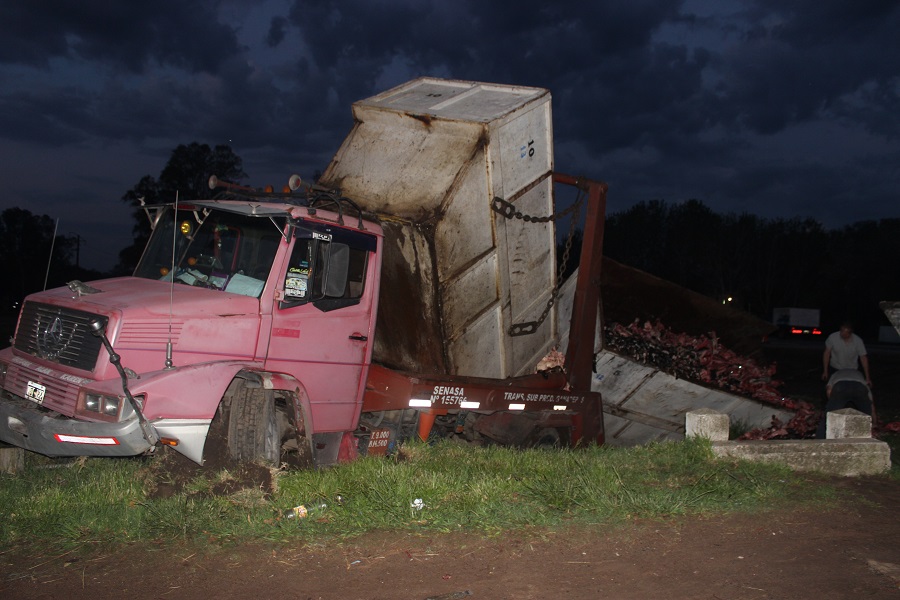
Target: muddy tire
x=253, y=433
x=547, y=437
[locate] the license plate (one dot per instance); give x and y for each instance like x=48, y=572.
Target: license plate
x=35, y=391
x=379, y=442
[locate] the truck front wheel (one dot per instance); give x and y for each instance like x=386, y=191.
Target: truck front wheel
x=253, y=431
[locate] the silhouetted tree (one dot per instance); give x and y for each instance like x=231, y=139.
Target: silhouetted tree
x=691, y=243
x=25, y=243
x=862, y=270
x=186, y=175
x=637, y=236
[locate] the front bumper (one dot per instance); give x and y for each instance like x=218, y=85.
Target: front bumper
x=25, y=424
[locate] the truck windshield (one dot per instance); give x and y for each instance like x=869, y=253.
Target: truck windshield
x=220, y=251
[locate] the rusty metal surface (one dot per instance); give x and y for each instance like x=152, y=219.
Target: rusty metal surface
x=408, y=327
x=387, y=389
x=586, y=298
x=510, y=409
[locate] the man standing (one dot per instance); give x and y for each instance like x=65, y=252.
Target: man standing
x=845, y=350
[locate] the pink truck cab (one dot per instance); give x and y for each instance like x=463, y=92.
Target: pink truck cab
x=257, y=315
x=302, y=329
x=265, y=299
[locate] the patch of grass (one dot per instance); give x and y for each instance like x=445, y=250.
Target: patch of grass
x=477, y=489
x=737, y=428
x=893, y=440
x=75, y=501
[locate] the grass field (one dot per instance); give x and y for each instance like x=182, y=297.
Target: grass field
x=441, y=488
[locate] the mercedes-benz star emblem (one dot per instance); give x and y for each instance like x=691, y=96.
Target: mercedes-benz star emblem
x=53, y=338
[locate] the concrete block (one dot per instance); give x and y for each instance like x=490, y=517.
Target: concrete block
x=707, y=423
x=847, y=457
x=12, y=459
x=847, y=423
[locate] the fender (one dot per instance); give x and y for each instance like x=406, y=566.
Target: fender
x=207, y=384
x=164, y=405
x=288, y=383
x=204, y=384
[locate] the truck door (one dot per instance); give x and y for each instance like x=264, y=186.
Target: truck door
x=322, y=325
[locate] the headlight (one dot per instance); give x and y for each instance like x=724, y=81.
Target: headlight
x=92, y=403
x=2, y=373
x=106, y=406
x=109, y=406
x=102, y=404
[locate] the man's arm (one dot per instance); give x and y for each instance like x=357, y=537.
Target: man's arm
x=826, y=358
x=864, y=360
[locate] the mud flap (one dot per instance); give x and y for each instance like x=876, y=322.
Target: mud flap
x=327, y=447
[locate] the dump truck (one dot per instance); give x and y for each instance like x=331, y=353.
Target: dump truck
x=411, y=292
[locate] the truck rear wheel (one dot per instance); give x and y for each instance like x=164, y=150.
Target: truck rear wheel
x=547, y=437
x=253, y=431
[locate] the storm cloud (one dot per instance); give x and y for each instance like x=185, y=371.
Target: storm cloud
x=772, y=108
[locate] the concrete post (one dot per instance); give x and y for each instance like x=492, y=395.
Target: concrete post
x=707, y=423
x=12, y=460
x=847, y=423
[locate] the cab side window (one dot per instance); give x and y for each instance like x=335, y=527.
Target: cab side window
x=297, y=280
x=313, y=271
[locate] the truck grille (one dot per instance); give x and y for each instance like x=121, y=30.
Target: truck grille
x=61, y=395
x=60, y=335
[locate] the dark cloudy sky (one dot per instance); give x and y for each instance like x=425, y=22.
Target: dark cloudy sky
x=775, y=107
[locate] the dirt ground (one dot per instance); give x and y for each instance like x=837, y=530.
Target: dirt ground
x=848, y=550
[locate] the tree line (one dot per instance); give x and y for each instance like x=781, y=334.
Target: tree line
x=763, y=263
x=33, y=256
x=758, y=263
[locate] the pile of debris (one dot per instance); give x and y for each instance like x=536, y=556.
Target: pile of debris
x=704, y=360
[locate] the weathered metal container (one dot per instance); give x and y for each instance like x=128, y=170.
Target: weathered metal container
x=429, y=157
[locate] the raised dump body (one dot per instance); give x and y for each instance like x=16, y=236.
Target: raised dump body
x=429, y=157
